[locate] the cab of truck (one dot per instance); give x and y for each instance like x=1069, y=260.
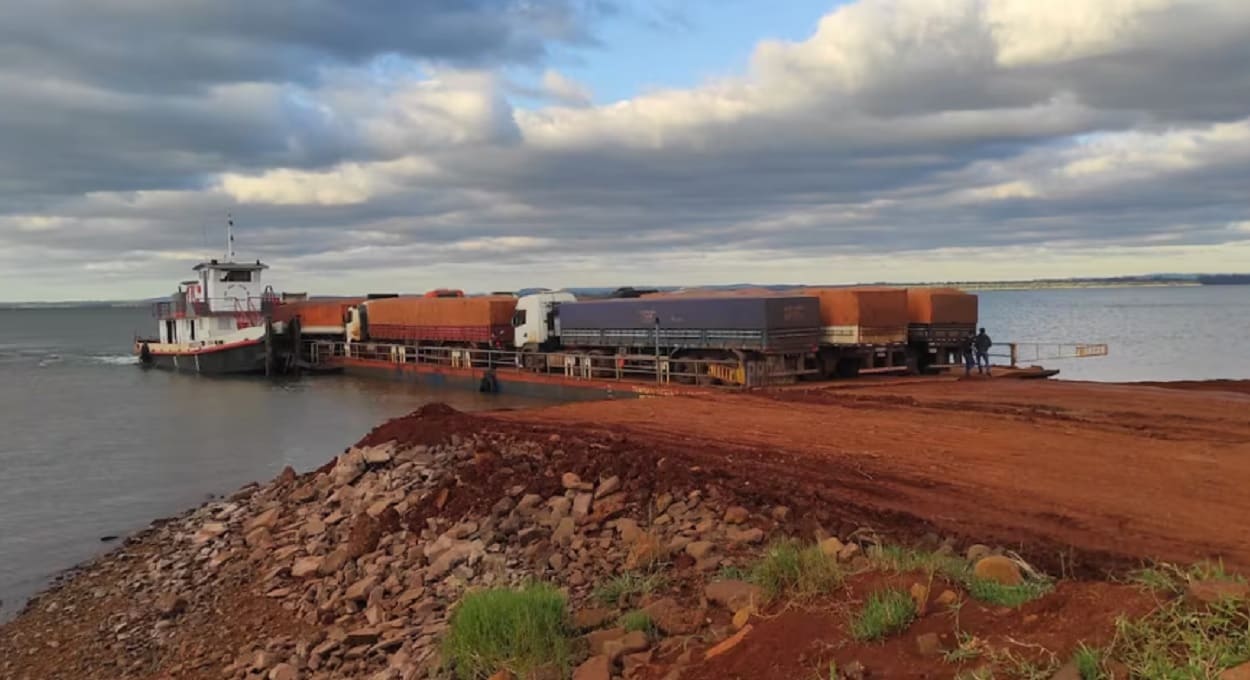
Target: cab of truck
x=534, y=322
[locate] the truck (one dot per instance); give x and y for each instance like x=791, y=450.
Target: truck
x=861, y=326
x=780, y=332
x=940, y=320
x=474, y=322
x=317, y=316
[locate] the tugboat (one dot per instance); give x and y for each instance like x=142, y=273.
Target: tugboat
x=217, y=323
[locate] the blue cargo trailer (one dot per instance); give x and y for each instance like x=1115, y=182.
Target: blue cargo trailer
x=771, y=325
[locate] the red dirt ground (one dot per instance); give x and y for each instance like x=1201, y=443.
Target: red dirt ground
x=1080, y=476
x=801, y=641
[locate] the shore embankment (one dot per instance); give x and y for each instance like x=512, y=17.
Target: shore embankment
x=662, y=527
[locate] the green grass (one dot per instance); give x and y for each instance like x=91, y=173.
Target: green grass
x=1020, y=667
x=969, y=648
x=886, y=612
x=790, y=568
x=958, y=570
x=1179, y=641
x=733, y=573
x=638, y=621
x=628, y=585
x=517, y=629
x=1170, y=578
x=996, y=593
x=1089, y=662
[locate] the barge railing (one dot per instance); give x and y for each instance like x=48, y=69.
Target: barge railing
x=632, y=367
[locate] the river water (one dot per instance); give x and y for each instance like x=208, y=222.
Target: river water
x=91, y=446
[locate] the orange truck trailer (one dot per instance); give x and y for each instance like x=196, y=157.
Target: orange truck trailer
x=324, y=316
x=939, y=322
x=484, y=322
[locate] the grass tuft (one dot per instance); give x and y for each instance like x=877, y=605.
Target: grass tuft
x=976, y=674
x=1179, y=641
x=519, y=630
x=628, y=585
x=638, y=620
x=886, y=612
x=1170, y=578
x=996, y=593
x=1089, y=662
x=790, y=568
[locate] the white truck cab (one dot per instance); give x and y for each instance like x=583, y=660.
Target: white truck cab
x=534, y=322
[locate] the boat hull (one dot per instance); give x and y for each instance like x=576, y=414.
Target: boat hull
x=241, y=358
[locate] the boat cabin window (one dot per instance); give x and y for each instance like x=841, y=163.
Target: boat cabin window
x=237, y=275
x=518, y=319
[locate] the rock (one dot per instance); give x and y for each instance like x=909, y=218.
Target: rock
x=581, y=505
x=303, y=494
x=264, y=520
x=378, y=455
x=335, y=561
x=831, y=547
x=849, y=551
x=977, y=552
x=947, y=598
x=742, y=616
x=736, y=515
x=780, y=513
x=920, y=595
x=359, y=591
x=629, y=643
x=1068, y=671
x=608, y=486
x=662, y=502
x=378, y=507
x=287, y=476
x=1241, y=672
x=597, y=640
x=746, y=535
x=283, y=671
x=556, y=561
x=733, y=595
x=570, y=480
x=595, y=668
x=585, y=619
x=672, y=618
x=628, y=530
x=170, y=605
x=560, y=506
x=929, y=644
x=645, y=552
x=729, y=643
x=564, y=532
x=854, y=671
x=306, y=566
x=699, y=549
x=1212, y=592
x=502, y=674
x=999, y=569
x=362, y=636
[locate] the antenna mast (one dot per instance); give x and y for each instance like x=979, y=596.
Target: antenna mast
x=229, y=237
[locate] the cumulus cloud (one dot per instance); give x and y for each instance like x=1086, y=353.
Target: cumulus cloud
x=900, y=139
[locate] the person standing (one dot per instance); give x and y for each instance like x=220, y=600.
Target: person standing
x=982, y=344
x=968, y=349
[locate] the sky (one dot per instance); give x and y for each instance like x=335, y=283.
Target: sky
x=403, y=145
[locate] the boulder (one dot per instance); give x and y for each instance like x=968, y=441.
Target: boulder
x=628, y=530
x=755, y=535
x=736, y=515
x=170, y=605
x=359, y=591
x=607, y=486
x=595, y=668
x=264, y=520
x=929, y=644
x=699, y=549
x=1241, y=672
x=283, y=671
x=831, y=547
x=378, y=455
x=585, y=619
x=581, y=504
x=733, y=595
x=672, y=618
x=629, y=643
x=999, y=569
x=597, y=640
x=306, y=566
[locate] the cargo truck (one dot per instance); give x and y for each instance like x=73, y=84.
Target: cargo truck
x=940, y=320
x=782, y=332
x=481, y=322
x=317, y=317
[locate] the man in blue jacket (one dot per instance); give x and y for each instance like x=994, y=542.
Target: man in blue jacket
x=982, y=343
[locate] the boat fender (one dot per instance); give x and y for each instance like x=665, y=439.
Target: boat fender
x=489, y=384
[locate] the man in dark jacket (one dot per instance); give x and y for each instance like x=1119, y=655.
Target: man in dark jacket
x=982, y=343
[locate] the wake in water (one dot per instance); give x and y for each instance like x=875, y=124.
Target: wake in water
x=115, y=359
